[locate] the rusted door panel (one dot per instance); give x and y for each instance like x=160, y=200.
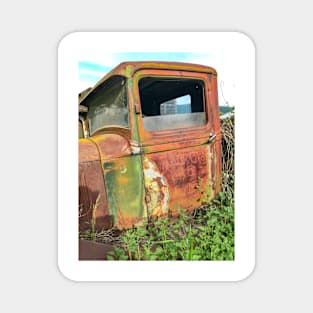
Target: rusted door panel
x=93, y=205
x=181, y=166
x=124, y=184
x=108, y=169
x=178, y=179
x=110, y=183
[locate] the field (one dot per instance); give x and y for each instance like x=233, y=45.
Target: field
x=204, y=234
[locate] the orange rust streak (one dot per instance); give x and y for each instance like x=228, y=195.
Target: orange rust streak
x=166, y=146
x=91, y=188
x=182, y=170
x=124, y=222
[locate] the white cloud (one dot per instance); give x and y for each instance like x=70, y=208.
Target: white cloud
x=97, y=56
x=88, y=72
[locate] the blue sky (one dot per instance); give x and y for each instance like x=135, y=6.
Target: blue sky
x=93, y=68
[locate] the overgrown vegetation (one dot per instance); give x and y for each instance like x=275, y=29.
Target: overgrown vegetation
x=228, y=156
x=206, y=234
x=203, y=234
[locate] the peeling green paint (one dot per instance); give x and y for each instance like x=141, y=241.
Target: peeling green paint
x=124, y=184
x=132, y=113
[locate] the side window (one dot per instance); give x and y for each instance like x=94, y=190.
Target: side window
x=172, y=103
x=107, y=104
x=176, y=106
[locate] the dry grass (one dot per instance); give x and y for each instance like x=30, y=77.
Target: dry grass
x=228, y=155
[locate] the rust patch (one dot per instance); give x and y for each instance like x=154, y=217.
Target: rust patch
x=87, y=151
x=186, y=172
x=124, y=184
x=156, y=189
x=128, y=69
x=112, y=146
x=125, y=222
x=91, y=187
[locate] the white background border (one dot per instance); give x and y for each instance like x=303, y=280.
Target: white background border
x=243, y=52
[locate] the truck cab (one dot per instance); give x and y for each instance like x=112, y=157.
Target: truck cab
x=149, y=143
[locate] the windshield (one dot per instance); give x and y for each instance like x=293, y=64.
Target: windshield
x=107, y=104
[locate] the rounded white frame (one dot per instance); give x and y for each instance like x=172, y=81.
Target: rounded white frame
x=242, y=50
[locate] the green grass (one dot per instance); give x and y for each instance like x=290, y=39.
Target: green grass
x=204, y=234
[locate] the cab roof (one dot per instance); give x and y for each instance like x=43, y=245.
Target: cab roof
x=128, y=69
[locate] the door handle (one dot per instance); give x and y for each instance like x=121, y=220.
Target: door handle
x=212, y=137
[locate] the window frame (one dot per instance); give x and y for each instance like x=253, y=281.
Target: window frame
x=179, y=134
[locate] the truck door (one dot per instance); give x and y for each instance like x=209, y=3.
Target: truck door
x=178, y=123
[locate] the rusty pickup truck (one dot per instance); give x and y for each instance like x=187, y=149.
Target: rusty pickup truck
x=149, y=143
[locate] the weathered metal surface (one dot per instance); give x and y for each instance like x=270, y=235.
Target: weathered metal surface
x=128, y=69
x=111, y=146
x=87, y=151
x=92, y=198
x=124, y=186
x=156, y=189
x=188, y=176
x=93, y=204
x=153, y=172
